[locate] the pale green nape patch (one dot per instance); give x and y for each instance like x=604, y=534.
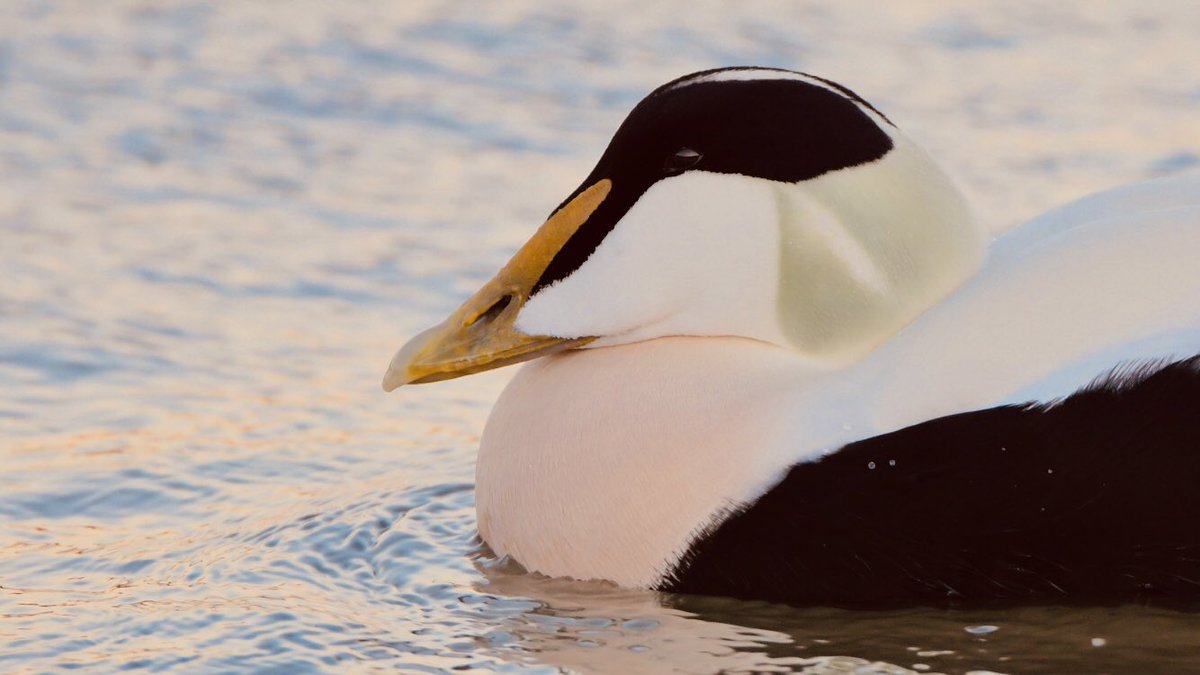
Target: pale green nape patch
x=866, y=250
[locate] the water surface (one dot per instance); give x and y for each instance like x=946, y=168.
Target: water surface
x=218, y=221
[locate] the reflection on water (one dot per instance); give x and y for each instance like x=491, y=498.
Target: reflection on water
x=218, y=220
x=596, y=627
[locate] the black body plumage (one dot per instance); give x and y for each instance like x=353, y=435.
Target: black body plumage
x=1092, y=498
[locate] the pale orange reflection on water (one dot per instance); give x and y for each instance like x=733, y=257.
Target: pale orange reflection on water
x=218, y=222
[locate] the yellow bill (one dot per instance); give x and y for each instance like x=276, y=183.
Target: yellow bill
x=481, y=334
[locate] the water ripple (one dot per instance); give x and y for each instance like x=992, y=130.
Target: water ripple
x=220, y=221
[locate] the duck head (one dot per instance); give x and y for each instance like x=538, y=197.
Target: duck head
x=750, y=202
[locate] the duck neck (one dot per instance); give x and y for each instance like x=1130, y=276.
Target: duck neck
x=865, y=251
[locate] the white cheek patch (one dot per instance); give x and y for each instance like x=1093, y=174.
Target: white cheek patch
x=830, y=267
x=698, y=254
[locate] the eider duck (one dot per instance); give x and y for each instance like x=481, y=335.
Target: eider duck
x=778, y=359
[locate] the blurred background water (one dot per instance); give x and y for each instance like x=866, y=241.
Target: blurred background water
x=219, y=219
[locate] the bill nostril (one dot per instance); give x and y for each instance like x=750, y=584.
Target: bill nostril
x=497, y=308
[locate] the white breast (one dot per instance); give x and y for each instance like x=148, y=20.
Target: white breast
x=604, y=463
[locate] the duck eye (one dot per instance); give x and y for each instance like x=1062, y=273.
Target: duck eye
x=681, y=160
